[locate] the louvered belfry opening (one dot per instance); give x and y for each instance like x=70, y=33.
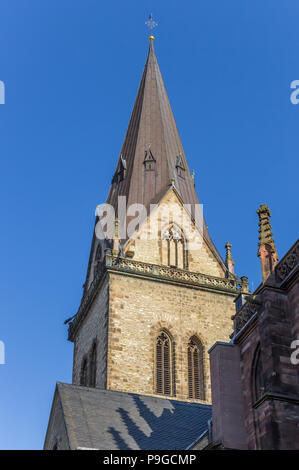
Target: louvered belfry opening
x=83, y=377
x=196, y=369
x=165, y=365
x=93, y=365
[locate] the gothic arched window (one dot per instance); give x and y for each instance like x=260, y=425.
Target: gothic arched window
x=83, y=377
x=196, y=369
x=257, y=375
x=165, y=380
x=97, y=260
x=175, y=249
x=93, y=365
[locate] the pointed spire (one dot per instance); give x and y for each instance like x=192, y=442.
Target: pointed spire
x=229, y=262
x=152, y=131
x=152, y=126
x=267, y=249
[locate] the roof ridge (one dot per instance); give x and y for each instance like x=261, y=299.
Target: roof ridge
x=119, y=392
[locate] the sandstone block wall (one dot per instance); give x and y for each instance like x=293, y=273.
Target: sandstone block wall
x=139, y=309
x=93, y=328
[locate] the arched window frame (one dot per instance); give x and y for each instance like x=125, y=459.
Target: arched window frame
x=176, y=240
x=93, y=365
x=258, y=385
x=84, y=372
x=165, y=369
x=196, y=370
x=97, y=260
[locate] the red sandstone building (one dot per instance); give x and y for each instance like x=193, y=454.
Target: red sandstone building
x=255, y=377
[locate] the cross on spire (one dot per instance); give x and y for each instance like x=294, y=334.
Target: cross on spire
x=151, y=24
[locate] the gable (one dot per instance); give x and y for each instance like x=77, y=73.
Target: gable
x=147, y=242
x=56, y=436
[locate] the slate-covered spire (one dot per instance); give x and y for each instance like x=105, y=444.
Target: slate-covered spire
x=152, y=157
x=152, y=154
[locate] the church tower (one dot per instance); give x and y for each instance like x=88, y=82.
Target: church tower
x=157, y=294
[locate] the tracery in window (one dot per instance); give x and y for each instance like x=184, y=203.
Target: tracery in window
x=196, y=384
x=165, y=378
x=174, y=248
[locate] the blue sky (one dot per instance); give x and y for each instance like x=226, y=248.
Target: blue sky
x=71, y=70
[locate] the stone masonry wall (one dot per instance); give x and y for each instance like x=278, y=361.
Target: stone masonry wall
x=93, y=328
x=139, y=309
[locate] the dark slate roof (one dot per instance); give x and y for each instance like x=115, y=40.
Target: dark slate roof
x=109, y=420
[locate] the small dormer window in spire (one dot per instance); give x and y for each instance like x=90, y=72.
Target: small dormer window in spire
x=122, y=169
x=149, y=161
x=180, y=168
x=120, y=173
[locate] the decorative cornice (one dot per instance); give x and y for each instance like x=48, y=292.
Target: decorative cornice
x=244, y=315
x=288, y=263
x=174, y=274
x=276, y=396
x=86, y=301
x=284, y=271
x=113, y=263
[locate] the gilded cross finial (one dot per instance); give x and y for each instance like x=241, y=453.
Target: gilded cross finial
x=151, y=24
